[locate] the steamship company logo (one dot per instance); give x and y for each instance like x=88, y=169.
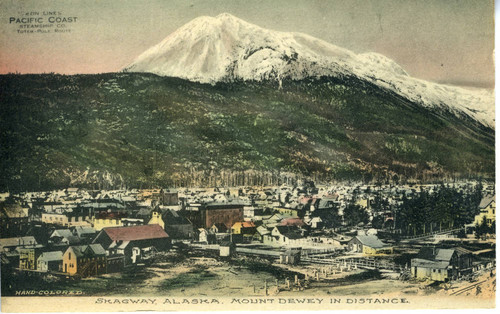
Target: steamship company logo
x=42, y=22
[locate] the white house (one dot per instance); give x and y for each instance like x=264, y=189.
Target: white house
x=50, y=261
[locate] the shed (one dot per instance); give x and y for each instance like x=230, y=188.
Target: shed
x=50, y=261
x=428, y=269
x=369, y=245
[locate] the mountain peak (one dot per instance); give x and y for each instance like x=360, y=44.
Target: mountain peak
x=226, y=15
x=221, y=22
x=226, y=48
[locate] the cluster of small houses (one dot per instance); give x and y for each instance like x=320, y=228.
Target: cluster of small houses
x=83, y=252
x=82, y=233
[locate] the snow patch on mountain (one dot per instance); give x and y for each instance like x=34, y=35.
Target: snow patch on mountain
x=225, y=48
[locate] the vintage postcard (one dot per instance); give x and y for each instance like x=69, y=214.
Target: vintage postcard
x=190, y=155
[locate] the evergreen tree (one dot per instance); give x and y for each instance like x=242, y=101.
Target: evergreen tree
x=355, y=214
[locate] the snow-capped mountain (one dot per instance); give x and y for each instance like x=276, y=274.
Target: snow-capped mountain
x=225, y=48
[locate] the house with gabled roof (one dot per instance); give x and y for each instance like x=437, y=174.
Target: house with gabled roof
x=122, y=240
x=487, y=208
x=84, y=232
x=316, y=223
x=441, y=264
x=28, y=256
x=206, y=236
x=11, y=244
x=64, y=237
x=430, y=269
x=260, y=233
x=176, y=225
x=243, y=227
x=243, y=231
x=288, y=235
x=109, y=219
x=13, y=219
x=369, y=245
x=85, y=260
x=50, y=261
x=144, y=213
x=20, y=251
x=273, y=220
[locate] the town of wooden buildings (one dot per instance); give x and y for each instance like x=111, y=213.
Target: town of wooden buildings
x=83, y=233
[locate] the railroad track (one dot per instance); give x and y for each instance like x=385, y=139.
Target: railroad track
x=467, y=288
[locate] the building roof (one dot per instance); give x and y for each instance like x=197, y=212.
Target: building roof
x=211, y=206
x=292, y=222
x=97, y=249
x=72, y=240
x=63, y=233
x=51, y=256
x=326, y=203
x=444, y=254
x=291, y=231
x=461, y=251
x=78, y=250
x=439, y=254
x=88, y=250
x=371, y=241
x=263, y=230
x=418, y=262
x=287, y=229
x=486, y=201
x=244, y=224
x=30, y=247
x=144, y=211
x=172, y=217
x=123, y=244
x=14, y=211
x=81, y=230
x=132, y=233
x=18, y=241
x=276, y=217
